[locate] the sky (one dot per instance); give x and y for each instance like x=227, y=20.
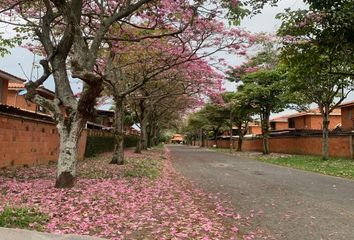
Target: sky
x=264, y=22
x=20, y=60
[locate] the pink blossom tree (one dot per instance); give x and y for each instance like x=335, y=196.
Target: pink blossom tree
x=70, y=35
x=150, y=59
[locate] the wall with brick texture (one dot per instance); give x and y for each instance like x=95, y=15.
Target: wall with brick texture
x=315, y=121
x=339, y=146
x=28, y=142
x=3, y=88
x=281, y=125
x=13, y=99
x=347, y=118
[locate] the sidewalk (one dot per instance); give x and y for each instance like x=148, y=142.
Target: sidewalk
x=19, y=234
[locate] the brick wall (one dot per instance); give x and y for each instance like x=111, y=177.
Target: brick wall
x=315, y=121
x=13, y=99
x=25, y=141
x=339, y=146
x=281, y=125
x=347, y=118
x=254, y=129
x=3, y=88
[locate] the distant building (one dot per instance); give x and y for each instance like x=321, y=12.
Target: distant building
x=347, y=117
x=13, y=89
x=5, y=78
x=279, y=123
x=313, y=120
x=177, y=138
x=254, y=129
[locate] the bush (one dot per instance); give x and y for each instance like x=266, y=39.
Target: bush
x=130, y=141
x=27, y=218
x=100, y=144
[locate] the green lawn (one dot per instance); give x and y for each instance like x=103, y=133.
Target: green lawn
x=335, y=166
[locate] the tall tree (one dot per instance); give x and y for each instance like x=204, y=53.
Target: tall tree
x=318, y=55
x=216, y=118
x=264, y=90
x=182, y=54
x=261, y=82
x=240, y=115
x=76, y=31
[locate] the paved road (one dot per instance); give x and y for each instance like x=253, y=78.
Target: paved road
x=297, y=205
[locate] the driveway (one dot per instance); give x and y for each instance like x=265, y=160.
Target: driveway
x=292, y=204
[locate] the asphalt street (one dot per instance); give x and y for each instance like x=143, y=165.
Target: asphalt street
x=292, y=204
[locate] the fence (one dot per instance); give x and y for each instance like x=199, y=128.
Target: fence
x=340, y=145
x=27, y=138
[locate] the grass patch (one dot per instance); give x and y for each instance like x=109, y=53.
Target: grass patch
x=24, y=218
x=160, y=146
x=140, y=168
x=221, y=150
x=335, y=166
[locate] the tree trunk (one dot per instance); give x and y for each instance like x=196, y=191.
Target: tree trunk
x=118, y=154
x=265, y=132
x=143, y=134
x=155, y=138
x=231, y=143
x=149, y=136
x=138, y=147
x=325, y=144
x=240, y=138
x=142, y=140
x=69, y=133
x=202, y=138
x=216, y=131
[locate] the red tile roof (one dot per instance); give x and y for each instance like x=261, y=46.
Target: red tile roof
x=10, y=77
x=283, y=118
x=347, y=104
x=315, y=111
x=16, y=85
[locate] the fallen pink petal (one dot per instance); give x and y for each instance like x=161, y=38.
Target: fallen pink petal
x=105, y=204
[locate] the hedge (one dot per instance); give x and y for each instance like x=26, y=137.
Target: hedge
x=99, y=144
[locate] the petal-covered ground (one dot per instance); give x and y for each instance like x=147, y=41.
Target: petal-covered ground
x=108, y=202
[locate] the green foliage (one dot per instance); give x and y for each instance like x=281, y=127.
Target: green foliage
x=143, y=168
x=211, y=117
x=318, y=55
x=336, y=167
x=5, y=44
x=130, y=141
x=25, y=218
x=318, y=51
x=241, y=110
x=264, y=90
x=242, y=8
x=100, y=144
x=164, y=138
x=215, y=116
x=266, y=58
x=262, y=86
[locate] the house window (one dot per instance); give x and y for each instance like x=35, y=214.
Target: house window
x=291, y=123
x=272, y=126
x=350, y=114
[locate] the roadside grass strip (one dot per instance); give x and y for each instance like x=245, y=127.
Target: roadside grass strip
x=338, y=167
